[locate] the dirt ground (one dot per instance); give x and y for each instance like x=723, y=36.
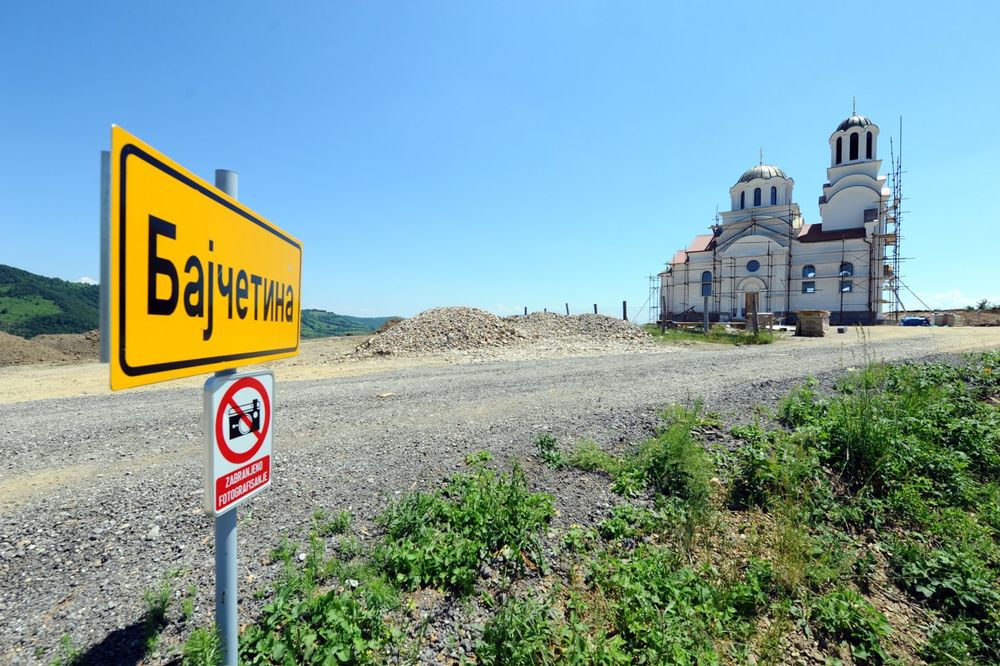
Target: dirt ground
x=330, y=357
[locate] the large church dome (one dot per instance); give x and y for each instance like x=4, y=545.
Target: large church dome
x=750, y=192
x=761, y=171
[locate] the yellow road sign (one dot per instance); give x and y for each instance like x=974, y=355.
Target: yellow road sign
x=199, y=282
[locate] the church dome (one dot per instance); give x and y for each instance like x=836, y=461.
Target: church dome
x=854, y=121
x=761, y=171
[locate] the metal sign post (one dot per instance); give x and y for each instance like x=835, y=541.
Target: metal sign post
x=226, y=582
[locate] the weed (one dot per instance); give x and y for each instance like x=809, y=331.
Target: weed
x=671, y=464
x=844, y=615
x=952, y=643
x=578, y=539
x=478, y=459
x=674, y=463
x=202, y=648
x=518, y=634
x=590, y=457
x=664, y=614
x=325, y=526
x=950, y=578
x=155, y=617
x=752, y=593
x=69, y=655
x=442, y=539
x=187, y=603
x=627, y=521
x=548, y=450
x=802, y=405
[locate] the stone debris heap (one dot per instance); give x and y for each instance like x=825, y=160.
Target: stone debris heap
x=461, y=329
x=18, y=351
x=601, y=328
x=442, y=329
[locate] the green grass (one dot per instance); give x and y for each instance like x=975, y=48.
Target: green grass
x=711, y=554
x=717, y=334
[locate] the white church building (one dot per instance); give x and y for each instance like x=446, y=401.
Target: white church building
x=763, y=245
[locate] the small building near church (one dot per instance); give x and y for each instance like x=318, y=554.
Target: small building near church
x=762, y=245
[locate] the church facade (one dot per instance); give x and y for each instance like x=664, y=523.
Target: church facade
x=762, y=244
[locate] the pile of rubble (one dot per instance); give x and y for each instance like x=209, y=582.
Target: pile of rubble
x=77, y=346
x=549, y=325
x=442, y=329
x=18, y=351
x=461, y=329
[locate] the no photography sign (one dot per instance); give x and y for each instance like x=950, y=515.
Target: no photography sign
x=239, y=429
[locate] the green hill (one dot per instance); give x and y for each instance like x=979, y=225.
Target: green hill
x=321, y=324
x=31, y=305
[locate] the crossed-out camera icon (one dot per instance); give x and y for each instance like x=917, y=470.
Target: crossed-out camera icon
x=244, y=419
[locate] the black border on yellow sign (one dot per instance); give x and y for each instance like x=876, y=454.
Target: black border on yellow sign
x=131, y=149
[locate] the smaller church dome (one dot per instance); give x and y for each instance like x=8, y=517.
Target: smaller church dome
x=761, y=171
x=854, y=121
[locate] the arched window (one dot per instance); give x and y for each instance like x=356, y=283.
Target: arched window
x=868, y=146
x=840, y=146
x=854, y=146
x=756, y=196
x=706, y=276
x=846, y=269
x=706, y=283
x=774, y=195
x=808, y=271
x=743, y=200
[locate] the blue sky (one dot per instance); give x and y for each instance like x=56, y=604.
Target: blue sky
x=499, y=154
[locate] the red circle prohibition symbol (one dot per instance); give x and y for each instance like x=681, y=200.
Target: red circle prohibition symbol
x=229, y=402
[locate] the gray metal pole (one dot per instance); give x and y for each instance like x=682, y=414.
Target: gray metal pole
x=105, y=276
x=226, y=583
x=706, y=314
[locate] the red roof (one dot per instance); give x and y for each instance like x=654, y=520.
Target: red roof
x=701, y=243
x=813, y=233
x=680, y=257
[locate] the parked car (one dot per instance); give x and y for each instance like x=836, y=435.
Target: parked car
x=915, y=321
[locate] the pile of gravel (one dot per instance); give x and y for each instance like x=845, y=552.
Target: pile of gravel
x=549, y=325
x=442, y=329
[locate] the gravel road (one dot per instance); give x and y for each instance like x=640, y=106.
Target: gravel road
x=100, y=496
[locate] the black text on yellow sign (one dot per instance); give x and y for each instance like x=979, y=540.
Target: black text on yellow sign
x=199, y=282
